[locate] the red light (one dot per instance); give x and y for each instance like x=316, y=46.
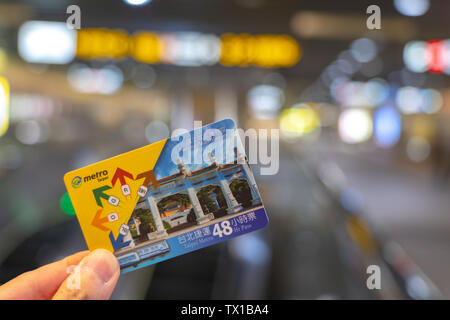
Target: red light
x=435, y=49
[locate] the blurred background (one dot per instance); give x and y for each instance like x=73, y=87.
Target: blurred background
x=363, y=116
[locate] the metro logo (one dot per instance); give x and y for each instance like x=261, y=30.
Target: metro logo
x=101, y=175
x=76, y=182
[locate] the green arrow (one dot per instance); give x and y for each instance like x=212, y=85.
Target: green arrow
x=98, y=193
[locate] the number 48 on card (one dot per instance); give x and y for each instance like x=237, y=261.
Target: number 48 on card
x=222, y=228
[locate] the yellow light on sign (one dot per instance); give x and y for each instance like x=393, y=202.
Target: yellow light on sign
x=4, y=106
x=102, y=43
x=146, y=47
x=260, y=50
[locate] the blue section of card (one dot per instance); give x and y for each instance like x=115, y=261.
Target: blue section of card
x=199, y=238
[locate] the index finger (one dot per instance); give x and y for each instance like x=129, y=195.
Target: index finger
x=41, y=283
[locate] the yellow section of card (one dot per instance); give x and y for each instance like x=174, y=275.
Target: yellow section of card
x=105, y=193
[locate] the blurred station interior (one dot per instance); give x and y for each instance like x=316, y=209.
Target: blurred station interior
x=363, y=119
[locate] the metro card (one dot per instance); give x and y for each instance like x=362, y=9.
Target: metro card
x=168, y=198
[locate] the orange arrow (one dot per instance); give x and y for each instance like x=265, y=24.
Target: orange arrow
x=148, y=175
x=98, y=222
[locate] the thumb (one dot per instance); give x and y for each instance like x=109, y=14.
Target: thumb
x=94, y=278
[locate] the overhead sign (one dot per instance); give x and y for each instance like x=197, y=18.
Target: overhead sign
x=54, y=43
x=190, y=48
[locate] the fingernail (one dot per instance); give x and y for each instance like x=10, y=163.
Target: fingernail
x=103, y=263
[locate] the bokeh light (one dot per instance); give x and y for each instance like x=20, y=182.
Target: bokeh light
x=355, y=126
x=433, y=100
x=414, y=56
x=412, y=8
x=137, y=2
x=363, y=50
x=359, y=94
x=106, y=80
x=156, y=130
x=298, y=121
x=31, y=132
x=46, y=42
x=387, y=127
x=418, y=149
x=191, y=49
x=265, y=101
x=4, y=105
x=411, y=100
x=143, y=76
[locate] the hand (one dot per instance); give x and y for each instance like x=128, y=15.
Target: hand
x=82, y=276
